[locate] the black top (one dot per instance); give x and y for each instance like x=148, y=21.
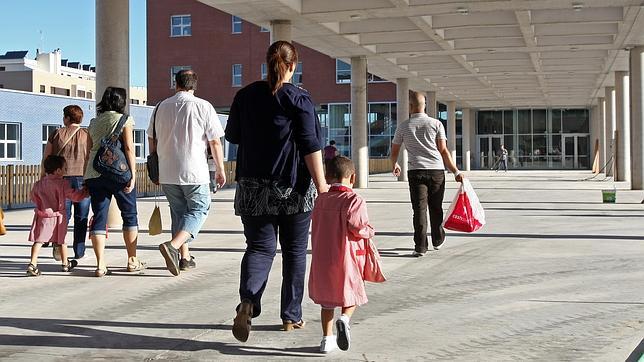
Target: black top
x=274, y=133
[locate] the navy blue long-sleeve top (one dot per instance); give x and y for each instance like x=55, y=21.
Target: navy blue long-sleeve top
x=274, y=133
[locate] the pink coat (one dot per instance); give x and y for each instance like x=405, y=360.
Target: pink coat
x=339, y=228
x=50, y=216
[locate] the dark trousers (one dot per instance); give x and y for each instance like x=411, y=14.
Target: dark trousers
x=81, y=212
x=426, y=188
x=261, y=245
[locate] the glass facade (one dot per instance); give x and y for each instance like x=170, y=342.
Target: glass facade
x=534, y=138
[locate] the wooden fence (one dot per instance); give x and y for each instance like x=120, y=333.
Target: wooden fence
x=16, y=181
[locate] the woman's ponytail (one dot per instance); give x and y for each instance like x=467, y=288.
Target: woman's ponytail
x=280, y=56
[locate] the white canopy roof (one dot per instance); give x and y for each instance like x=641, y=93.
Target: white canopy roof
x=480, y=53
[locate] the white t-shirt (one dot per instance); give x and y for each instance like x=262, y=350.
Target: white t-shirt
x=183, y=125
x=419, y=134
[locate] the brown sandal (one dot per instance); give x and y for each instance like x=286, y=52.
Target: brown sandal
x=242, y=322
x=101, y=272
x=33, y=271
x=290, y=325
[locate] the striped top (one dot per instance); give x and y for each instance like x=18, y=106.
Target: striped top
x=419, y=134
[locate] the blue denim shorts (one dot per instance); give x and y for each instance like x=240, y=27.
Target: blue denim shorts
x=101, y=191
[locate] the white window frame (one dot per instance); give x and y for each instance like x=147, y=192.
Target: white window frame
x=173, y=72
x=264, y=71
x=49, y=126
x=181, y=26
x=298, y=72
x=139, y=147
x=235, y=76
x=342, y=81
x=4, y=142
x=236, y=20
x=263, y=29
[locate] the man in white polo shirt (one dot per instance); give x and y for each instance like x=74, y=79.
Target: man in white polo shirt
x=425, y=141
x=184, y=126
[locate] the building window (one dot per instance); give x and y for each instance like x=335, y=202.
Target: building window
x=9, y=141
x=180, y=25
x=264, y=71
x=2, y=69
x=81, y=93
x=139, y=144
x=263, y=30
x=342, y=72
x=297, y=76
x=237, y=25
x=173, y=72
x=60, y=91
x=237, y=75
x=89, y=95
x=47, y=131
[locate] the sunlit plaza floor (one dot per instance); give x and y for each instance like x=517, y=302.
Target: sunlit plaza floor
x=554, y=275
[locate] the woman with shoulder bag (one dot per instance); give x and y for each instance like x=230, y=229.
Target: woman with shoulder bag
x=74, y=144
x=279, y=173
x=102, y=187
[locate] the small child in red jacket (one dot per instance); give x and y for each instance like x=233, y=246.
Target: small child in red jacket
x=340, y=230
x=50, y=215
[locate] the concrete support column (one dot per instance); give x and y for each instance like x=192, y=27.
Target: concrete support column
x=465, y=138
x=601, y=104
x=594, y=137
x=281, y=30
x=610, y=128
x=430, y=104
x=112, y=45
x=637, y=117
x=402, y=113
x=359, y=141
x=451, y=128
x=623, y=127
x=473, y=140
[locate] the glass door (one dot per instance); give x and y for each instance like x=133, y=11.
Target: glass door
x=570, y=156
x=488, y=150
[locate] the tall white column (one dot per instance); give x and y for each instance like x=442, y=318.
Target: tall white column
x=473, y=139
x=594, y=137
x=465, y=138
x=359, y=142
x=637, y=117
x=610, y=129
x=112, y=45
x=430, y=104
x=281, y=30
x=402, y=113
x=623, y=130
x=601, y=109
x=451, y=128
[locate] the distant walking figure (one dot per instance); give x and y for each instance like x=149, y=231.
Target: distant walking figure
x=330, y=151
x=424, y=138
x=503, y=159
x=279, y=168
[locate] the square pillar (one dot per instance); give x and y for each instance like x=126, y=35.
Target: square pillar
x=465, y=138
x=623, y=127
x=451, y=128
x=610, y=129
x=594, y=139
x=430, y=104
x=112, y=46
x=637, y=117
x=359, y=131
x=281, y=30
x=601, y=104
x=402, y=113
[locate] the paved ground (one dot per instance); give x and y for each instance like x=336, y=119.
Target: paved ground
x=555, y=275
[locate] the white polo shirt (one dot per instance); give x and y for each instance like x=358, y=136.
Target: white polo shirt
x=184, y=125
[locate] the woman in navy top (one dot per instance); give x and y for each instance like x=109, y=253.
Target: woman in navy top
x=279, y=174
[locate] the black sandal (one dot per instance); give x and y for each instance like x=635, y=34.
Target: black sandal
x=71, y=264
x=33, y=271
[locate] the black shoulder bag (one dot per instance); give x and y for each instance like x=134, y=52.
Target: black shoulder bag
x=110, y=160
x=152, y=162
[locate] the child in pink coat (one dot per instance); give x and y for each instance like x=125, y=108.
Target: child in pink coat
x=50, y=215
x=339, y=228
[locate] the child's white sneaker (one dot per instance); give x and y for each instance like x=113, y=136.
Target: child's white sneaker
x=328, y=344
x=344, y=336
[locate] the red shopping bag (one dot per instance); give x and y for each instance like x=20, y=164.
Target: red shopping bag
x=466, y=213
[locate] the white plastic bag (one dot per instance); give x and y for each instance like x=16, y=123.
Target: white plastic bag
x=465, y=213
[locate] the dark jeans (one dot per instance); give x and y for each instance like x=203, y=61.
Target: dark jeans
x=261, y=244
x=426, y=188
x=81, y=212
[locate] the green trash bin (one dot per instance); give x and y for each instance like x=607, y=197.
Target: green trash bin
x=608, y=196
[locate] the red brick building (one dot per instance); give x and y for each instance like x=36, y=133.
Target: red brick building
x=190, y=34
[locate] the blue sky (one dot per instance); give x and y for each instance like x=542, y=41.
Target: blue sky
x=70, y=26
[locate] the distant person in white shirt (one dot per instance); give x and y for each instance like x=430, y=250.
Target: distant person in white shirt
x=425, y=140
x=185, y=126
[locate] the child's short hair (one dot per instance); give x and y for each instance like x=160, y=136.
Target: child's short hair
x=339, y=167
x=53, y=163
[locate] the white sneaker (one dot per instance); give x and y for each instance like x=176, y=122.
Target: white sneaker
x=344, y=334
x=328, y=344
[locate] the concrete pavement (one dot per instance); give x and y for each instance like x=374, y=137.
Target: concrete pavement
x=554, y=275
